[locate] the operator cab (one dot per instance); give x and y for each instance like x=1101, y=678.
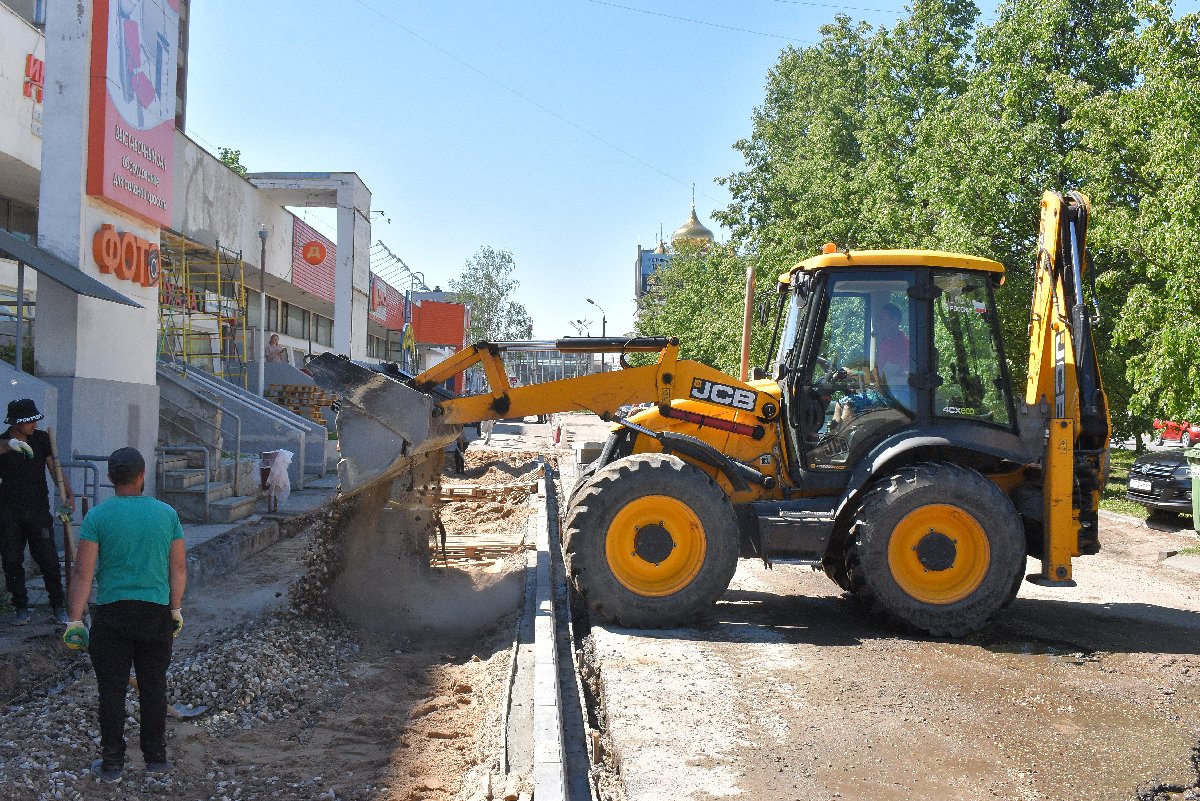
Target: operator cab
x=882, y=342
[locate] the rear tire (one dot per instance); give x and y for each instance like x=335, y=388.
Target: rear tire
x=651, y=542
x=937, y=549
x=1185, y=440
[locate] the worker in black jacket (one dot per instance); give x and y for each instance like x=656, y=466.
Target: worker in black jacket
x=25, y=509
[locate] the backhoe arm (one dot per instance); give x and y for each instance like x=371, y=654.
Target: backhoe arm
x=394, y=418
x=1064, y=372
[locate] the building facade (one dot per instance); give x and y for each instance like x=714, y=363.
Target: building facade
x=97, y=171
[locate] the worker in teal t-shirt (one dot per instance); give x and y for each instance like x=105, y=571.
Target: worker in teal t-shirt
x=133, y=545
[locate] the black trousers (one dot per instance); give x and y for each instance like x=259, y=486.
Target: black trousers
x=35, y=528
x=134, y=634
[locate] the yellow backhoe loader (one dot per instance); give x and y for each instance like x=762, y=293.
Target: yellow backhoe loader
x=888, y=447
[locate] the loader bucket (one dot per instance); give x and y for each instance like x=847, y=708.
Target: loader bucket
x=382, y=423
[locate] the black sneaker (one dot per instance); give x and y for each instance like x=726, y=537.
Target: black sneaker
x=108, y=771
x=21, y=617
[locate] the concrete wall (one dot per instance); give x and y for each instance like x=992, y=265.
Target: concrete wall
x=99, y=355
x=213, y=202
x=20, y=146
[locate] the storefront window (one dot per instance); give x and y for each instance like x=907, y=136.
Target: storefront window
x=293, y=321
x=272, y=314
x=324, y=331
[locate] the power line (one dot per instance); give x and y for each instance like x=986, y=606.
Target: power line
x=529, y=99
x=839, y=7
x=699, y=22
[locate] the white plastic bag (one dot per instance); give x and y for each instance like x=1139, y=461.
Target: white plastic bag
x=278, y=483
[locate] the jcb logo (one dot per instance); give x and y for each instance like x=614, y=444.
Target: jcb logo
x=723, y=394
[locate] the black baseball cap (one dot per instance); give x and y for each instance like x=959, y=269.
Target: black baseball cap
x=125, y=463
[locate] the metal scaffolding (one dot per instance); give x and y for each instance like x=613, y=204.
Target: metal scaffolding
x=203, y=310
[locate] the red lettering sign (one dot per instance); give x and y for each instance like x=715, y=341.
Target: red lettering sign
x=126, y=256
x=314, y=252
x=35, y=77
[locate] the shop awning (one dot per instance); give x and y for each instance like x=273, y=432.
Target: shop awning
x=50, y=266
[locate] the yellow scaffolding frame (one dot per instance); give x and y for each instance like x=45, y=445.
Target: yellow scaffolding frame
x=202, y=308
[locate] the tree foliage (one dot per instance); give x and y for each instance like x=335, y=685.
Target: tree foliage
x=700, y=297
x=486, y=286
x=232, y=159
x=942, y=133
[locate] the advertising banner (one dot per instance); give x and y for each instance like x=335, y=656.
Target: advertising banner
x=314, y=261
x=132, y=105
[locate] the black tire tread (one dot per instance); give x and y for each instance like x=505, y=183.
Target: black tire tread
x=608, y=490
x=913, y=486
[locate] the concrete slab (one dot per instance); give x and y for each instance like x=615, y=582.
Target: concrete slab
x=1184, y=561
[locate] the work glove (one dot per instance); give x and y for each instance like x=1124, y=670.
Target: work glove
x=177, y=617
x=76, y=636
x=20, y=446
x=64, y=513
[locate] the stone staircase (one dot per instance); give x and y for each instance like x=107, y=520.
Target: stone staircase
x=183, y=484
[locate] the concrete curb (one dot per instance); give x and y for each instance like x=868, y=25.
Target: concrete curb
x=217, y=556
x=549, y=773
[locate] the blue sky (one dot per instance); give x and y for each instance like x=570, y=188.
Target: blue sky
x=564, y=131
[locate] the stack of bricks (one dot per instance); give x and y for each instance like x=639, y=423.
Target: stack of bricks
x=305, y=400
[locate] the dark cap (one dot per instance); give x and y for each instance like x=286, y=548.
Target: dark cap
x=125, y=463
x=22, y=411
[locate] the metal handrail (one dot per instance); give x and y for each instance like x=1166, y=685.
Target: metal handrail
x=220, y=434
x=86, y=467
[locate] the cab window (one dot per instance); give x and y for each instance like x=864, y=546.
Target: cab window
x=967, y=352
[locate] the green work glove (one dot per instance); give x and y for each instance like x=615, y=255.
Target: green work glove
x=64, y=513
x=76, y=636
x=177, y=616
x=20, y=446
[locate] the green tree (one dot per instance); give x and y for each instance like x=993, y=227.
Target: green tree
x=486, y=286
x=803, y=159
x=231, y=159
x=700, y=298
x=1141, y=147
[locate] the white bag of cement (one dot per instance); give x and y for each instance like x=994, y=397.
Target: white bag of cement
x=278, y=483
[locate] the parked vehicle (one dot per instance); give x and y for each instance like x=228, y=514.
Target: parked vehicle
x=1161, y=481
x=1184, y=433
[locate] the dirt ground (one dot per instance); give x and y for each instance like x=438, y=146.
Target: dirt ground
x=790, y=692
x=301, y=707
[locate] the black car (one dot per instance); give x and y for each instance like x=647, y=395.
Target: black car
x=1161, y=481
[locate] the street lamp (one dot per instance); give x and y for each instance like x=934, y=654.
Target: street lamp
x=262, y=310
x=603, y=317
x=603, y=327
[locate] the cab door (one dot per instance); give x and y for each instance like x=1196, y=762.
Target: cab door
x=854, y=379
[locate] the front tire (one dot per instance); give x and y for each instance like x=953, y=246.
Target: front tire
x=937, y=549
x=1185, y=440
x=651, y=542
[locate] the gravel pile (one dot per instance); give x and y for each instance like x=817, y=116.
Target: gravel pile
x=281, y=665
x=253, y=675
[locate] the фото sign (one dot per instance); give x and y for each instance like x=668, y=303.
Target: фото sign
x=126, y=256
x=132, y=105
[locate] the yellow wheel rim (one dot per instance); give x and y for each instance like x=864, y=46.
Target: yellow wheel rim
x=655, y=545
x=939, y=554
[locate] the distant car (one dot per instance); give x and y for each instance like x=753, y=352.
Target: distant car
x=1161, y=481
x=1184, y=433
